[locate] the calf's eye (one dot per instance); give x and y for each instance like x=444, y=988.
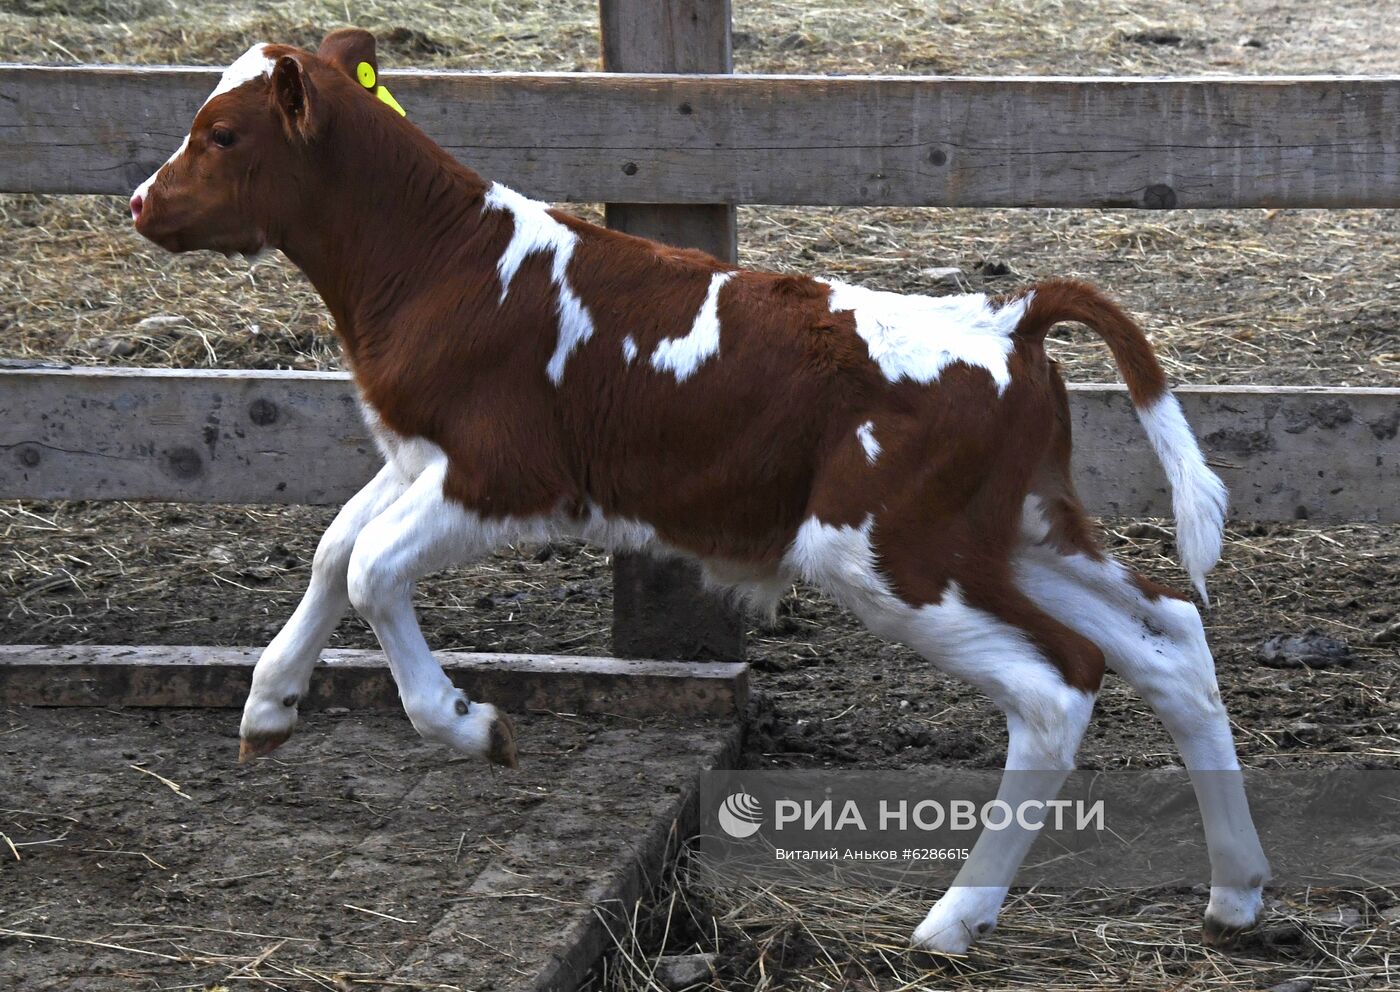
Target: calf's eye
x=223, y=137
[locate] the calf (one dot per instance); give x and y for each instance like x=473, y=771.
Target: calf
x=527, y=374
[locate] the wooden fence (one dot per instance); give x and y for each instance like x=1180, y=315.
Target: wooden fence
x=839, y=141
x=209, y=436
x=671, y=155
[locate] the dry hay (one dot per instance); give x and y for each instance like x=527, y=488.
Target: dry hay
x=791, y=936
x=158, y=573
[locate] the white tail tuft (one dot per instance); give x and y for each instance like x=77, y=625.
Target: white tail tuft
x=1199, y=498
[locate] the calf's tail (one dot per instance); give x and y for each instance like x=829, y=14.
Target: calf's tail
x=1198, y=496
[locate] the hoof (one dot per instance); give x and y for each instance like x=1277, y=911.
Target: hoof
x=963, y=916
x=258, y=745
x=948, y=938
x=950, y=942
x=1232, y=911
x=1220, y=935
x=501, y=750
x=943, y=962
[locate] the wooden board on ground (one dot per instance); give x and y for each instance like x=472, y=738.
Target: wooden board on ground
x=1329, y=454
x=1312, y=141
x=357, y=855
x=108, y=675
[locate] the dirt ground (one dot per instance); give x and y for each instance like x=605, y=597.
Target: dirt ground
x=1228, y=296
x=360, y=857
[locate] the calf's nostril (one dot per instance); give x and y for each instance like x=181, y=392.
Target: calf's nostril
x=136, y=204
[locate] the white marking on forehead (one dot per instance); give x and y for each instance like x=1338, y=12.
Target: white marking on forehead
x=917, y=337
x=629, y=349
x=682, y=356
x=536, y=231
x=249, y=66
x=865, y=434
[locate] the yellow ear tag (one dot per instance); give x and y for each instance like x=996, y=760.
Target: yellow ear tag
x=384, y=97
x=364, y=72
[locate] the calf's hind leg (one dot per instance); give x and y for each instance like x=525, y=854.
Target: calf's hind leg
x=1156, y=642
x=284, y=669
x=1041, y=674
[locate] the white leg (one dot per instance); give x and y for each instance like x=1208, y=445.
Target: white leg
x=1045, y=717
x=283, y=672
x=1159, y=647
x=420, y=533
x=1039, y=758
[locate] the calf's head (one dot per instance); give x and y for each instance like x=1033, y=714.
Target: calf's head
x=241, y=176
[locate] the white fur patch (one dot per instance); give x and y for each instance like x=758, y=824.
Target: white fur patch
x=629, y=349
x=961, y=640
x=1199, y=499
x=409, y=456
x=1035, y=527
x=249, y=66
x=917, y=337
x=865, y=434
x=1158, y=645
x=682, y=356
x=757, y=587
x=612, y=533
x=536, y=231
x=840, y=560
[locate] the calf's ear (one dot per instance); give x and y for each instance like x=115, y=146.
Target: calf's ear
x=292, y=91
x=349, y=48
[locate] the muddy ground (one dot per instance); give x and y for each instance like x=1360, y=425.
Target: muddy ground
x=1228, y=296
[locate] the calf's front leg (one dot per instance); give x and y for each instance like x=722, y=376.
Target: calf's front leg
x=420, y=533
x=283, y=672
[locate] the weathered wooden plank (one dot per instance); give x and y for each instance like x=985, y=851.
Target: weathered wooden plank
x=207, y=436
x=1286, y=452
x=711, y=227
x=661, y=609
x=1313, y=141
x=666, y=35
x=102, y=675
x=296, y=437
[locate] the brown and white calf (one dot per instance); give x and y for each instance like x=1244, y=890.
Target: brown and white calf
x=528, y=374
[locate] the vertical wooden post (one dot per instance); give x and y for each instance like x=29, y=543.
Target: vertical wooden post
x=660, y=609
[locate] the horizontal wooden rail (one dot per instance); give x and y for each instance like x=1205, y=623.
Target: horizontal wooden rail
x=1313, y=141
x=99, y=675
x=297, y=437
